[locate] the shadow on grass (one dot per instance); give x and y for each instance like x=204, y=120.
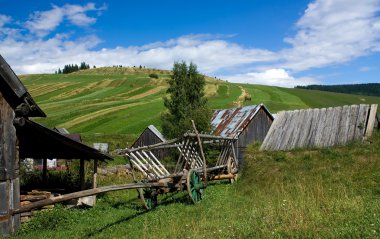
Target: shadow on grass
x=166, y=199
x=126, y=219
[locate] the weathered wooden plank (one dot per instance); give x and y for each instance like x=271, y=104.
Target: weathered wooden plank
x=304, y=129
x=336, y=115
x=317, y=142
x=5, y=228
x=371, y=120
x=297, y=123
x=310, y=139
x=281, y=130
x=343, y=125
x=2, y=160
x=286, y=132
x=352, y=125
x=4, y=198
x=15, y=203
x=293, y=132
x=361, y=120
x=2, y=148
x=326, y=129
x=269, y=139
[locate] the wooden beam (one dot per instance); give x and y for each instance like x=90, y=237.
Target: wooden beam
x=44, y=171
x=202, y=153
x=81, y=174
x=95, y=175
x=84, y=193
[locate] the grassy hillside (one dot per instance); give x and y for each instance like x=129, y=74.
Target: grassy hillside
x=329, y=193
x=126, y=100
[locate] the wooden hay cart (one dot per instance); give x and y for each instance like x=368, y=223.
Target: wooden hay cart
x=191, y=173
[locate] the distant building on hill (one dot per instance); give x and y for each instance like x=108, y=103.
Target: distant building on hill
x=248, y=124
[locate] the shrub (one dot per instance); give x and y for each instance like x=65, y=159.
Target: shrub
x=153, y=75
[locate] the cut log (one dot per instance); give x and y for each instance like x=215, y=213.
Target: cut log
x=32, y=198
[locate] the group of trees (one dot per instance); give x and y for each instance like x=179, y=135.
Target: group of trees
x=72, y=68
x=186, y=102
x=372, y=89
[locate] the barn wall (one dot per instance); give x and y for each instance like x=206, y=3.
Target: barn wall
x=148, y=138
x=9, y=171
x=255, y=131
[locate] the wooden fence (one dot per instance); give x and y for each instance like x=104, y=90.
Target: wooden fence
x=318, y=128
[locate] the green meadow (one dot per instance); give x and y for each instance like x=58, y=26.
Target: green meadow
x=328, y=193
x=123, y=101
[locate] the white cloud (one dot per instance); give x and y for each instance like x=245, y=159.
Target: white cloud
x=42, y=23
x=332, y=32
x=274, y=77
x=367, y=68
x=209, y=55
x=4, y=19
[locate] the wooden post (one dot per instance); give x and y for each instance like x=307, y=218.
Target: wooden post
x=81, y=174
x=9, y=176
x=94, y=185
x=44, y=172
x=202, y=153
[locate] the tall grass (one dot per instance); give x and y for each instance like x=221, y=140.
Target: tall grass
x=327, y=193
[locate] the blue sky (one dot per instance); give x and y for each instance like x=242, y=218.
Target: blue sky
x=273, y=42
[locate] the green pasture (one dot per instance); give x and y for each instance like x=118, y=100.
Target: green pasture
x=125, y=100
x=328, y=193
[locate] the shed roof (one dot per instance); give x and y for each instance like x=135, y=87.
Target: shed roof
x=156, y=132
x=15, y=92
x=37, y=141
x=231, y=122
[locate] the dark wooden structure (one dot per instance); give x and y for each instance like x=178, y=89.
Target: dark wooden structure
x=23, y=138
x=151, y=135
x=248, y=124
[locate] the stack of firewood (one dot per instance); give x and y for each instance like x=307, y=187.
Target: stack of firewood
x=33, y=196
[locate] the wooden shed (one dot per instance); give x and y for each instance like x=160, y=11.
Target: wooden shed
x=22, y=138
x=248, y=124
x=151, y=135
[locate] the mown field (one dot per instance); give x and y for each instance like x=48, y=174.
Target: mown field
x=123, y=101
x=328, y=193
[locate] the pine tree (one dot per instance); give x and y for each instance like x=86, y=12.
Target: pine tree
x=186, y=102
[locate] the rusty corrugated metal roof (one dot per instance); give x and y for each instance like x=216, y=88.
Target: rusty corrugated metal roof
x=231, y=122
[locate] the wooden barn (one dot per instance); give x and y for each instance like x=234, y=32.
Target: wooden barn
x=151, y=135
x=22, y=138
x=248, y=124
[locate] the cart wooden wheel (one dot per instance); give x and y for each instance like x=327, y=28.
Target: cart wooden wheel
x=148, y=201
x=194, y=186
